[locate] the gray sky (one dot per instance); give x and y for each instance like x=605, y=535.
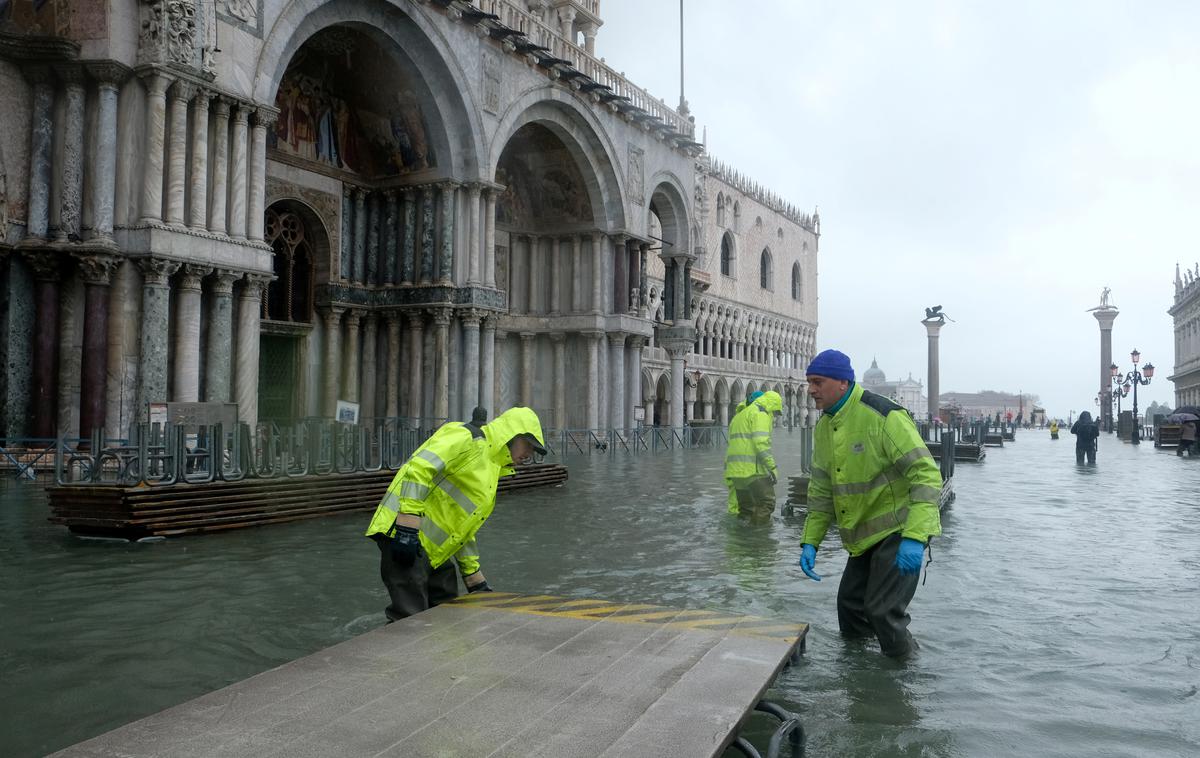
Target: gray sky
x=1006, y=160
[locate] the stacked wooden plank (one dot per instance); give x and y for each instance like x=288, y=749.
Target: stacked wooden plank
x=962, y=452
x=134, y=512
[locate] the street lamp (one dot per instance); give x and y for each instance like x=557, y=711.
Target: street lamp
x=1134, y=378
x=1120, y=388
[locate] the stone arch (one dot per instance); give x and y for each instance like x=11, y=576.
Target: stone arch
x=300, y=258
x=728, y=254
x=647, y=396
x=668, y=204
x=704, y=399
x=662, y=401
x=766, y=270
x=721, y=390
x=411, y=38
x=737, y=395
x=797, y=282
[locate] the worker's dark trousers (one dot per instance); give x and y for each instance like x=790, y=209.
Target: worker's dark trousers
x=755, y=497
x=873, y=598
x=417, y=587
x=1090, y=452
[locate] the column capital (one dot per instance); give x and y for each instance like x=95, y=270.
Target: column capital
x=46, y=264
x=190, y=275
x=416, y=320
x=354, y=316
x=223, y=279
x=254, y=285
x=156, y=81
x=108, y=73
x=97, y=268
x=203, y=97
x=182, y=90
x=360, y=194
x=331, y=313
x=241, y=112
x=616, y=339
x=558, y=338
x=527, y=337
x=265, y=116
x=370, y=320
x=389, y=194
x=448, y=186
x=38, y=73
x=71, y=74
x=474, y=189
x=441, y=316
x=471, y=318
x=595, y=336
x=394, y=319
x=637, y=341
x=156, y=271
x=220, y=106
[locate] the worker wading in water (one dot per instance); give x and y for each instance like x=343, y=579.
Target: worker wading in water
x=437, y=502
x=750, y=471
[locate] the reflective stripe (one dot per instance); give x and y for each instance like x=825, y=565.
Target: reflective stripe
x=923, y=493
x=912, y=456
x=468, y=505
x=741, y=459
x=820, y=473
x=414, y=491
x=433, y=532
x=820, y=504
x=861, y=488
x=874, y=526
x=391, y=501
x=433, y=458
x=468, y=550
x=748, y=435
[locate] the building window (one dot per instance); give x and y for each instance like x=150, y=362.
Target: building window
x=727, y=262
x=796, y=281
x=290, y=295
x=765, y=273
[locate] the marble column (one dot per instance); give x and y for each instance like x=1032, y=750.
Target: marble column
x=576, y=274
x=187, y=333
x=180, y=93
x=634, y=385
x=220, y=167
x=389, y=237
x=96, y=271
x=593, y=378
x=441, y=376
x=446, y=259
x=351, y=357
x=369, y=353
x=152, y=358
x=218, y=365
x=635, y=277
x=408, y=251
x=427, y=236
x=643, y=285
x=416, y=355
x=331, y=318
x=346, y=254
x=264, y=119
x=559, y=340
x=933, y=329
x=616, y=379
x=489, y=239
x=44, y=398
x=104, y=176
x=393, y=370
x=155, y=141
x=1105, y=317
x=556, y=254
x=198, y=216
x=471, y=319
x=360, y=235
x=620, y=277
x=237, y=193
x=40, y=149
x=372, y=239
x=598, y=247
x=474, y=244
x=686, y=288
x=533, y=269
x=249, y=338
x=487, y=366
x=528, y=344
x=70, y=217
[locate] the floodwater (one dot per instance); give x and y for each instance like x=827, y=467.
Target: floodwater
x=1060, y=617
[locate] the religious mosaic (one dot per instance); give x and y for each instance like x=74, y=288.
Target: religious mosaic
x=542, y=183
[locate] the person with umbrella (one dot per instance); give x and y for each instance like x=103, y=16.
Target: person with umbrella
x=1187, y=431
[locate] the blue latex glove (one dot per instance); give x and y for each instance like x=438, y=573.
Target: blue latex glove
x=808, y=559
x=909, y=556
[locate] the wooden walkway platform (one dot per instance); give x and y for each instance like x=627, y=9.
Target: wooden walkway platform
x=492, y=674
x=178, y=509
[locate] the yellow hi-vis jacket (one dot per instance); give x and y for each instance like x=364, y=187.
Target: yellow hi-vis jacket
x=872, y=475
x=749, y=452
x=450, y=482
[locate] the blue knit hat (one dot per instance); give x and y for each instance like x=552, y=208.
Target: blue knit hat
x=833, y=364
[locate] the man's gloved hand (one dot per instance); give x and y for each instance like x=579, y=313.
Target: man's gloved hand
x=406, y=545
x=808, y=560
x=481, y=587
x=909, y=556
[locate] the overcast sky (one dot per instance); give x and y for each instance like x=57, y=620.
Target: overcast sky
x=1006, y=160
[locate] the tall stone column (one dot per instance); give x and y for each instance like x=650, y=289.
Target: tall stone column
x=152, y=358
x=360, y=235
x=393, y=372
x=446, y=259
x=369, y=353
x=264, y=119
x=351, y=357
x=597, y=273
x=218, y=364
x=556, y=253
x=389, y=237
x=616, y=379
x=41, y=146
x=527, y=368
x=533, y=270
x=1105, y=318
x=104, y=176
x=471, y=319
x=441, y=375
x=220, y=167
x=152, y=173
x=559, y=341
x=474, y=243
x=933, y=328
x=96, y=270
x=44, y=398
x=237, y=193
x=427, y=236
x=576, y=274
x=620, y=276
x=678, y=349
x=346, y=253
x=635, y=276
x=489, y=239
x=416, y=333
x=372, y=239
x=498, y=338
x=198, y=215
x=634, y=385
x=70, y=219
x=187, y=333
x=180, y=93
x=593, y=378
x=249, y=339
x=643, y=286
x=487, y=366
x=408, y=251
x=331, y=318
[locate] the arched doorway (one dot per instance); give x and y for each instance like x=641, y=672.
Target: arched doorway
x=662, y=401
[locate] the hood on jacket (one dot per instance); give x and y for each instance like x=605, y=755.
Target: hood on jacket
x=770, y=402
x=512, y=423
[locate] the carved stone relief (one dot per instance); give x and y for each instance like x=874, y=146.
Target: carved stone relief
x=636, y=175
x=491, y=84
x=246, y=14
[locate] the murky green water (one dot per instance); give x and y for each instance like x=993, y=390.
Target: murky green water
x=1061, y=616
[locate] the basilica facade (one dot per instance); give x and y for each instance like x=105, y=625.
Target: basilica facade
x=415, y=207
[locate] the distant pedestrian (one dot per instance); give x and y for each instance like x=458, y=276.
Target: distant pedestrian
x=1187, y=439
x=1086, y=433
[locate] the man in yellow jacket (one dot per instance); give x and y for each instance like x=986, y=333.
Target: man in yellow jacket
x=749, y=465
x=437, y=502
x=873, y=476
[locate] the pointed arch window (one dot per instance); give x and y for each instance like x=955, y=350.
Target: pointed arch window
x=289, y=296
x=765, y=271
x=796, y=282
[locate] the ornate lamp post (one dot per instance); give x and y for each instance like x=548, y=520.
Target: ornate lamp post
x=1120, y=388
x=1134, y=378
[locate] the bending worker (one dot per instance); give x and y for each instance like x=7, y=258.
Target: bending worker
x=436, y=503
x=873, y=476
x=749, y=466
